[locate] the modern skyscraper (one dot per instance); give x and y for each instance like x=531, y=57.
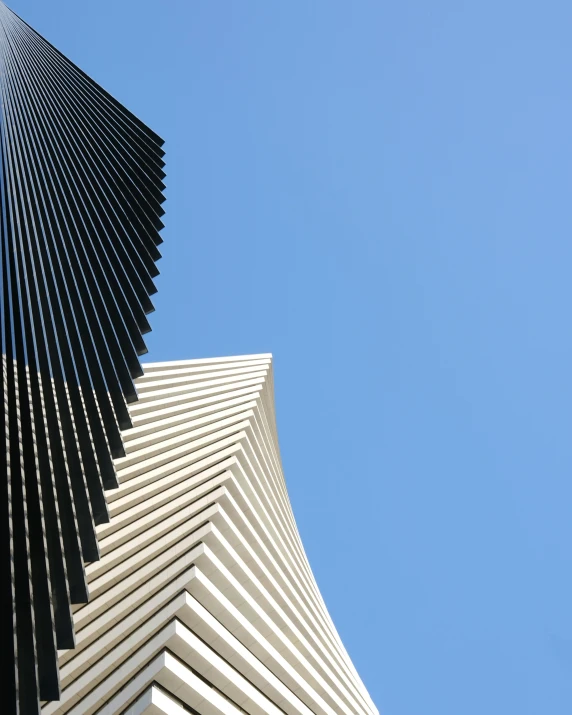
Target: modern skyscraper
x=185, y=588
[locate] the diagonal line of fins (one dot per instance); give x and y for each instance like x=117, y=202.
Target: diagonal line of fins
x=81, y=192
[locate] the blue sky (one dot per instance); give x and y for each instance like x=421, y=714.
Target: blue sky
x=380, y=195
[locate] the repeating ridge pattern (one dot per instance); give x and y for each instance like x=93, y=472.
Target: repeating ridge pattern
x=81, y=194
x=203, y=600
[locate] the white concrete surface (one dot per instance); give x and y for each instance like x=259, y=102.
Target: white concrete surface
x=203, y=597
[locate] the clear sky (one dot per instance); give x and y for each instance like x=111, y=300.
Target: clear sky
x=380, y=194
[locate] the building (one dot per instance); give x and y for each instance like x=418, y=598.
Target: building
x=150, y=558
x=203, y=599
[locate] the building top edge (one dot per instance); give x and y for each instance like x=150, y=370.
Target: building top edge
x=207, y=361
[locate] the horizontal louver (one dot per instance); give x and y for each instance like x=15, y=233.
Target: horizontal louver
x=203, y=600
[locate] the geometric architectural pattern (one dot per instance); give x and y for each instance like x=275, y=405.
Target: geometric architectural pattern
x=149, y=557
x=203, y=600
x=80, y=214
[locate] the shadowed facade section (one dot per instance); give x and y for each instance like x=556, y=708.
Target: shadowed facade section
x=81, y=192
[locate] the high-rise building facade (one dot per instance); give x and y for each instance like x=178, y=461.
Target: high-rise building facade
x=150, y=558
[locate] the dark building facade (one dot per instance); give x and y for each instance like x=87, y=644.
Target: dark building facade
x=81, y=191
